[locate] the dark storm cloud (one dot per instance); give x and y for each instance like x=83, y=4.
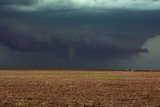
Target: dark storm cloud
x=16, y=2
x=73, y=32
x=81, y=34
x=15, y=5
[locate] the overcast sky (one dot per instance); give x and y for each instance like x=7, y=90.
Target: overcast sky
x=80, y=34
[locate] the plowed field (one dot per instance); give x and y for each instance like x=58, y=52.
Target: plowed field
x=51, y=88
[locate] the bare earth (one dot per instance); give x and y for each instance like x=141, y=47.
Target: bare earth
x=31, y=88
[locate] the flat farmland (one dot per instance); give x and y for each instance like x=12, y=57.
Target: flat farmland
x=71, y=88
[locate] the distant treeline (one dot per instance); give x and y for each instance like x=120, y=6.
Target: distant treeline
x=76, y=69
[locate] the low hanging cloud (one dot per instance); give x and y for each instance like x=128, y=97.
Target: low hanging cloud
x=99, y=36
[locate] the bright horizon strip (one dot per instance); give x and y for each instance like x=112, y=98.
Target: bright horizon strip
x=97, y=4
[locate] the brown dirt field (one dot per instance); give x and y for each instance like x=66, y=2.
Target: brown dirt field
x=24, y=88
